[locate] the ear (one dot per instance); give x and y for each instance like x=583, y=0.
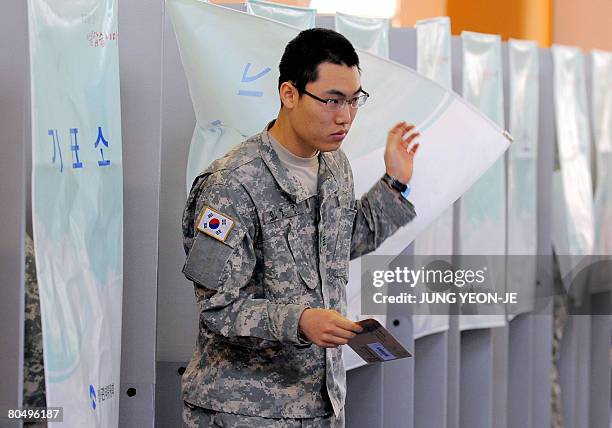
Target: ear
x=288, y=95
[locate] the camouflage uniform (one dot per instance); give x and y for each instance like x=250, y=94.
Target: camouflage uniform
x=197, y=417
x=33, y=365
x=560, y=317
x=286, y=252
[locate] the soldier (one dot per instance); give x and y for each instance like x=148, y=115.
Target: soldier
x=268, y=230
x=33, y=364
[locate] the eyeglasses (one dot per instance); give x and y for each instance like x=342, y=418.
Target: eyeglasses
x=334, y=104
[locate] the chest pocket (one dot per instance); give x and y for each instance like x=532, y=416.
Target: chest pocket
x=302, y=243
x=289, y=245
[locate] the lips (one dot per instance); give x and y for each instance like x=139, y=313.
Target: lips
x=338, y=136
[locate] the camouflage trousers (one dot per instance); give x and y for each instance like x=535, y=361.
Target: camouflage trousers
x=559, y=320
x=560, y=317
x=197, y=417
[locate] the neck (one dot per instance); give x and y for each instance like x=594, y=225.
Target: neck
x=283, y=132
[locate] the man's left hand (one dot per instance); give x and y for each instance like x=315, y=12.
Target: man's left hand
x=398, y=159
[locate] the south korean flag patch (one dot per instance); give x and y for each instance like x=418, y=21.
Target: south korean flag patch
x=215, y=224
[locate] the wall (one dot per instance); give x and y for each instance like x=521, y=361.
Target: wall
x=521, y=19
x=586, y=23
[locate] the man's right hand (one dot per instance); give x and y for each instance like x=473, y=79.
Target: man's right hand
x=327, y=328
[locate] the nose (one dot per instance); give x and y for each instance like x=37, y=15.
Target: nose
x=345, y=115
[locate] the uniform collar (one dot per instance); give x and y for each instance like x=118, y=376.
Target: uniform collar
x=289, y=184
x=328, y=178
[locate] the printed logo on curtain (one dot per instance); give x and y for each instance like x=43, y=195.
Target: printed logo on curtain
x=573, y=217
x=434, y=62
x=240, y=96
x=482, y=220
x=77, y=204
x=522, y=171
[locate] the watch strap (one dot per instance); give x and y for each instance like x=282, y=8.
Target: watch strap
x=395, y=183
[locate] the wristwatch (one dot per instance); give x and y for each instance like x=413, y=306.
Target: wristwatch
x=403, y=189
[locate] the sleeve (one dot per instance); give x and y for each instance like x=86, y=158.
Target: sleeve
x=381, y=211
x=222, y=272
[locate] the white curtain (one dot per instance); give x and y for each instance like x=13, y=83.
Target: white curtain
x=434, y=62
x=522, y=173
x=573, y=217
x=368, y=34
x=77, y=204
x=602, y=131
x=300, y=17
x=483, y=207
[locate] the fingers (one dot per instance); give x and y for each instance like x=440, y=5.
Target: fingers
x=332, y=329
x=327, y=345
x=399, y=132
x=330, y=341
x=410, y=138
x=340, y=332
x=407, y=129
x=347, y=324
x=401, y=128
x=332, y=338
x=336, y=334
x=323, y=344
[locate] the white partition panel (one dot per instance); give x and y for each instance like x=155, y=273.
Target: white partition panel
x=77, y=204
x=482, y=228
x=573, y=217
x=434, y=62
x=368, y=34
x=522, y=173
x=13, y=119
x=300, y=17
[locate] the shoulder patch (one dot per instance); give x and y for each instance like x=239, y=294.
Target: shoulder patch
x=215, y=224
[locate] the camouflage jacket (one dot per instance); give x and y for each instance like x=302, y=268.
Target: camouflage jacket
x=284, y=252
x=33, y=362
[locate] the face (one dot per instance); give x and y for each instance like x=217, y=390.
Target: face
x=315, y=127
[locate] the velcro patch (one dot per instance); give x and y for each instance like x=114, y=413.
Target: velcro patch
x=215, y=224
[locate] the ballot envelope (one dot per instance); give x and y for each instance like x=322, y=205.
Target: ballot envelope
x=376, y=344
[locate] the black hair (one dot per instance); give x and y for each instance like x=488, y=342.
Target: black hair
x=303, y=54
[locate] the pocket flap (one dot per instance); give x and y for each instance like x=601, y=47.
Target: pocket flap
x=208, y=257
x=306, y=272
